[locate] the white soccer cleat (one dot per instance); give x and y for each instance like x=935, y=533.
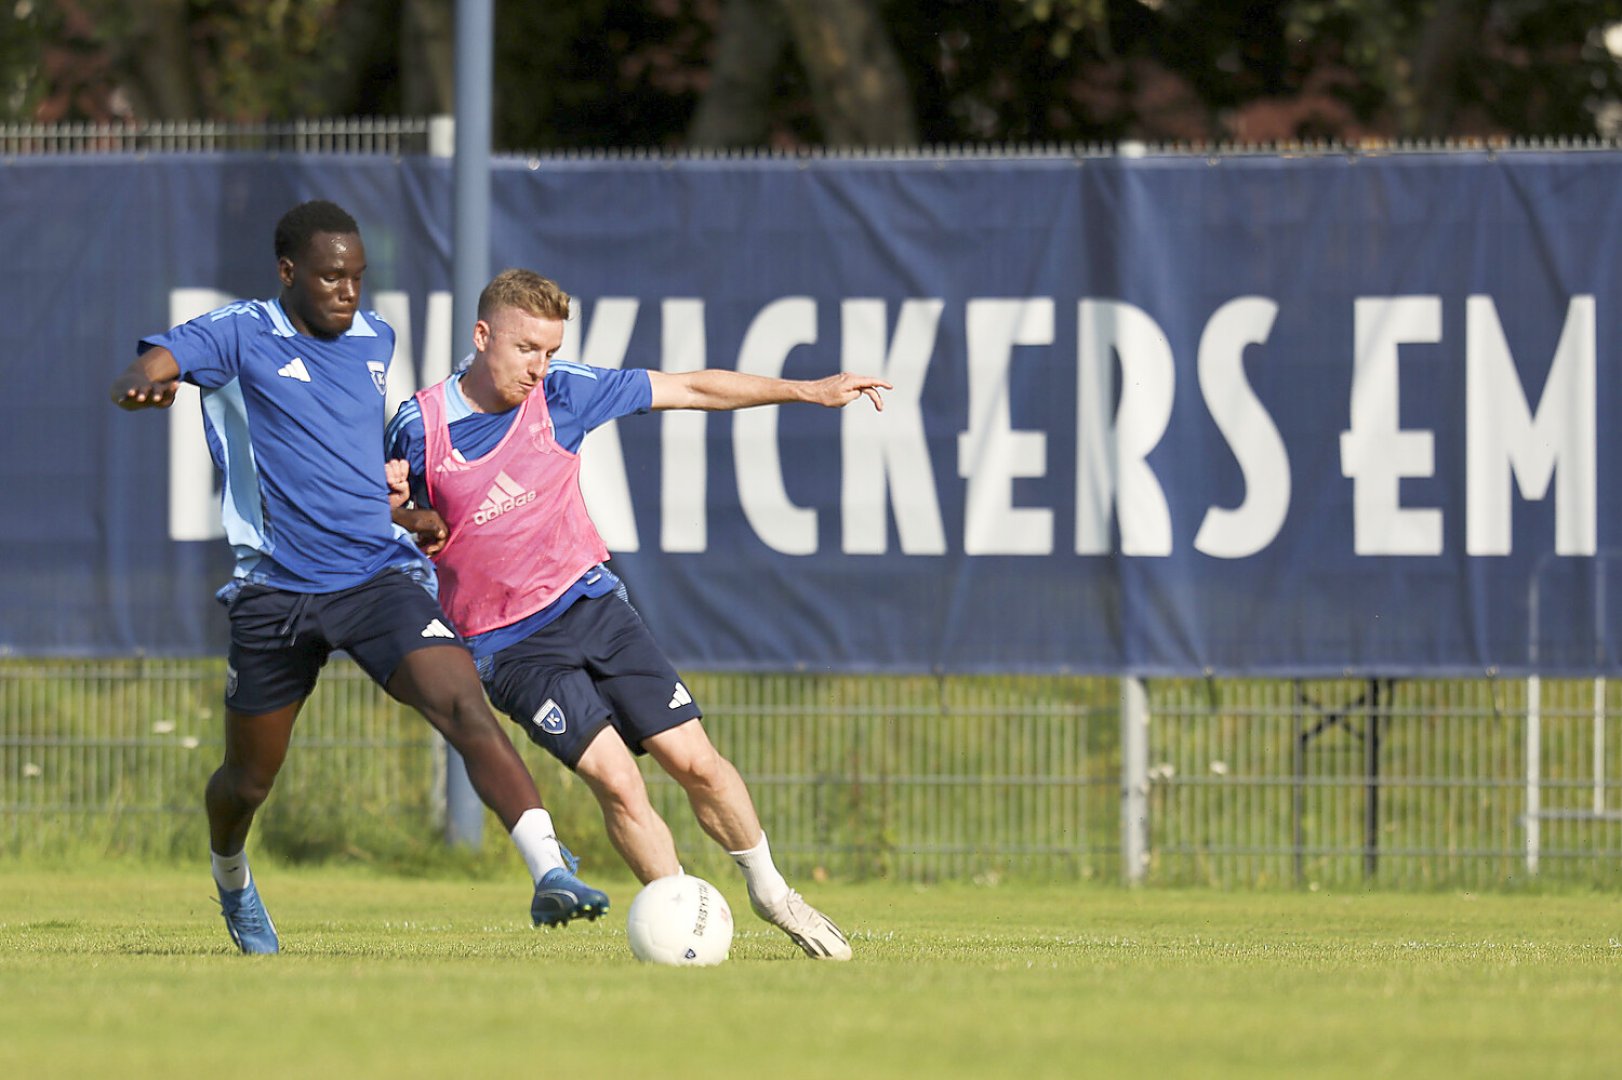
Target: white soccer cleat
x=809, y=928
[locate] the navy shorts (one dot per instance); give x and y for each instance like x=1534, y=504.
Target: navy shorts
x=280, y=640
x=594, y=666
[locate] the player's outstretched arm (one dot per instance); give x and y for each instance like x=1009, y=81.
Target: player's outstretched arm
x=716, y=389
x=149, y=382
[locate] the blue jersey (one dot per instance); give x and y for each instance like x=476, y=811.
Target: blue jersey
x=294, y=422
x=578, y=398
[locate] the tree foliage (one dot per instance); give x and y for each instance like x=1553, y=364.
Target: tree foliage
x=670, y=73
x=1261, y=70
x=102, y=60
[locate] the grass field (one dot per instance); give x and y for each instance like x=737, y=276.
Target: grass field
x=127, y=972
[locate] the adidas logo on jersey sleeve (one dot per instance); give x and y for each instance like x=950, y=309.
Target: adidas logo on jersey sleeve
x=438, y=629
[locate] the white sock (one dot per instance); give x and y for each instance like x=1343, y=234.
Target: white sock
x=230, y=871
x=766, y=885
x=537, y=842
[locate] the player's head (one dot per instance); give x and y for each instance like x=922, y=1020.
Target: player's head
x=526, y=291
x=320, y=260
x=520, y=329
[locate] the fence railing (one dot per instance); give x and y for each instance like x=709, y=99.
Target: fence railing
x=1306, y=783
x=1421, y=782
x=436, y=134
x=358, y=135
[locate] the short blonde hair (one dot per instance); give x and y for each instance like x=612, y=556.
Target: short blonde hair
x=526, y=291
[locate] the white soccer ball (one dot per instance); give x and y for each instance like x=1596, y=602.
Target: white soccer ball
x=682, y=921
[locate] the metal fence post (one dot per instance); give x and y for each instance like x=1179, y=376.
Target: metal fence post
x=1134, y=780
x=1534, y=762
x=464, y=813
x=470, y=263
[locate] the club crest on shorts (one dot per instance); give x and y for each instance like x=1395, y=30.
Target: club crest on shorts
x=549, y=718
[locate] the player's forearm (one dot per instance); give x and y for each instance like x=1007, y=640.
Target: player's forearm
x=716, y=389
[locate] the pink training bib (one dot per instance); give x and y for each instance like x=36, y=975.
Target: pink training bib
x=519, y=531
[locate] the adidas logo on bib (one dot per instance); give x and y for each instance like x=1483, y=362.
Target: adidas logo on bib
x=505, y=494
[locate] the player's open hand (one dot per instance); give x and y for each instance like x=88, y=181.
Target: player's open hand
x=837, y=391
x=149, y=382
x=133, y=392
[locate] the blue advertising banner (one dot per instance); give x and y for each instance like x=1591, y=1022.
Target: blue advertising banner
x=1160, y=415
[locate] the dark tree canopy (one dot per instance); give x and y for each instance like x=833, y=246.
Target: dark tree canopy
x=675, y=73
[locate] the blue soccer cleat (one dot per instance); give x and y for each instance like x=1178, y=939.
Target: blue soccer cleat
x=560, y=896
x=248, y=921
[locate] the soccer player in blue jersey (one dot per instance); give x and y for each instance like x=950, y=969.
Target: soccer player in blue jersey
x=494, y=451
x=292, y=392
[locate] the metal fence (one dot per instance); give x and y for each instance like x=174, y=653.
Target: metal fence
x=1466, y=783
x=360, y=135
x=1332, y=783
x=435, y=135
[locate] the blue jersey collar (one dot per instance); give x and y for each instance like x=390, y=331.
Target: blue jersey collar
x=282, y=326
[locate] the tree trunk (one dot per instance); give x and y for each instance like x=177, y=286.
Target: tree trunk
x=158, y=59
x=427, y=58
x=735, y=109
x=857, y=86
x=366, y=43
x=1453, y=31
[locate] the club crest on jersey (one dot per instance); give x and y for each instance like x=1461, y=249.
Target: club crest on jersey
x=549, y=718
x=380, y=375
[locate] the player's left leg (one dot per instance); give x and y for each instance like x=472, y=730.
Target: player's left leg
x=655, y=713
x=725, y=811
x=441, y=683
x=719, y=798
x=397, y=633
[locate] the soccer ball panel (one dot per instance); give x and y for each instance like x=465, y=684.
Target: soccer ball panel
x=680, y=921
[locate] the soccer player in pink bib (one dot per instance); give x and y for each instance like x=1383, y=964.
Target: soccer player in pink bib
x=494, y=451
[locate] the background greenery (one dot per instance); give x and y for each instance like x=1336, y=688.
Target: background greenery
x=855, y=777
x=1413, y=784
x=685, y=73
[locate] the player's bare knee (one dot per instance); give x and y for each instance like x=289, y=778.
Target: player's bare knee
x=463, y=718
x=617, y=788
x=705, y=770
x=244, y=787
